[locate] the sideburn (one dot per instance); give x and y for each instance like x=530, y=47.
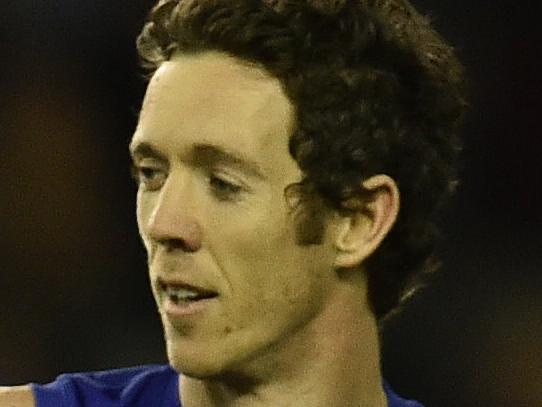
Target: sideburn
x=310, y=215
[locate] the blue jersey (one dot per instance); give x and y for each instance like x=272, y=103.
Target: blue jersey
x=144, y=386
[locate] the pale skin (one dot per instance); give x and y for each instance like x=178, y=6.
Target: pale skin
x=17, y=396
x=291, y=325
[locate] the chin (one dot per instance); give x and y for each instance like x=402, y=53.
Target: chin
x=201, y=357
x=193, y=363
x=195, y=371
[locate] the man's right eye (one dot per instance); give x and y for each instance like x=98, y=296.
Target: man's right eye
x=150, y=178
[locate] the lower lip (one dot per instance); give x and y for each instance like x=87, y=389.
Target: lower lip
x=184, y=309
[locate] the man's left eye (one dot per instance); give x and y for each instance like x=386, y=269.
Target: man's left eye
x=222, y=188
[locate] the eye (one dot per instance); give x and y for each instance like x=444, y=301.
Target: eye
x=223, y=189
x=149, y=177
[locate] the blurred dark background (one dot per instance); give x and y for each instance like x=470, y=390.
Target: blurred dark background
x=73, y=281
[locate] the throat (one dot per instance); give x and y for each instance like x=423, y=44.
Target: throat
x=240, y=393
x=332, y=361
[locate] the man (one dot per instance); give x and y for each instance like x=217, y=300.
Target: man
x=275, y=143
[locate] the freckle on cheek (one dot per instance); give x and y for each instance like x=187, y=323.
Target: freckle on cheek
x=227, y=330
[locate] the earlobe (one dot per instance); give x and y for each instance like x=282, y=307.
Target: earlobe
x=370, y=219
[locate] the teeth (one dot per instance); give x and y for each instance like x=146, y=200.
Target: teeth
x=181, y=294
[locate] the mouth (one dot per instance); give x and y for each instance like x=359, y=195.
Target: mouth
x=180, y=293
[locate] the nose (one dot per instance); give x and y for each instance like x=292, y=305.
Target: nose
x=172, y=223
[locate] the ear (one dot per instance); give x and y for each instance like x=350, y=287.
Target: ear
x=360, y=232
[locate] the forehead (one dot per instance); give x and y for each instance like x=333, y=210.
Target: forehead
x=213, y=98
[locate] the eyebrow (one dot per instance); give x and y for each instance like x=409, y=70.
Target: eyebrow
x=204, y=155
x=145, y=150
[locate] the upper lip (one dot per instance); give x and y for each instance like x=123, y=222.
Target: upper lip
x=163, y=282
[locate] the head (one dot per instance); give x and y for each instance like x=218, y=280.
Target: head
x=276, y=129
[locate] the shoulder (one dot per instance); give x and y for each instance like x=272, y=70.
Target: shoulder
x=135, y=386
x=18, y=396
x=396, y=401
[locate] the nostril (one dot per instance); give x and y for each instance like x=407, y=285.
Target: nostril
x=192, y=236
x=174, y=233
x=180, y=244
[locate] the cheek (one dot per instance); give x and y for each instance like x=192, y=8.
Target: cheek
x=258, y=239
x=264, y=264
x=247, y=245
x=143, y=211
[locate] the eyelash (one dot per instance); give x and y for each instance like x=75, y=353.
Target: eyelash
x=142, y=175
x=223, y=190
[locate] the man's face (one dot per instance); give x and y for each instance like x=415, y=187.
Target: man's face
x=211, y=150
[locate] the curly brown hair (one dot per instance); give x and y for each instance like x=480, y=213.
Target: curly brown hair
x=376, y=90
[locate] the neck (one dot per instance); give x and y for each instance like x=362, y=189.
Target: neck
x=334, y=361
